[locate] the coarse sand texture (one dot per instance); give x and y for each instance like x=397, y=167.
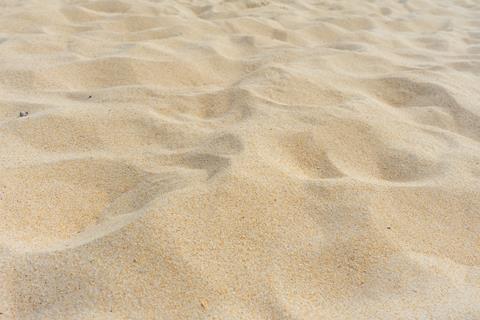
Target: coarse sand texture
x=239, y=159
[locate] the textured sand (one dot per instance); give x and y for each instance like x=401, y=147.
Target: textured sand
x=240, y=159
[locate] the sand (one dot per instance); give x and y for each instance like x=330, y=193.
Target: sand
x=237, y=159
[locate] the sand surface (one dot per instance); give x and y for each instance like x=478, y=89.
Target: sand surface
x=238, y=159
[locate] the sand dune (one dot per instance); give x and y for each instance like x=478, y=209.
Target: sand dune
x=239, y=159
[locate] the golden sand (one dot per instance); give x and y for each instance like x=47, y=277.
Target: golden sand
x=240, y=159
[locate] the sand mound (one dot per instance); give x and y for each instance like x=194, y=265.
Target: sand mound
x=239, y=159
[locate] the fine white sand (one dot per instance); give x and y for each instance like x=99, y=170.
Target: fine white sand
x=231, y=159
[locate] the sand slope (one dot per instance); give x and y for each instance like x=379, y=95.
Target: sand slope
x=238, y=159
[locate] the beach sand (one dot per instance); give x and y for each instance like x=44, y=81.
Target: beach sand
x=239, y=159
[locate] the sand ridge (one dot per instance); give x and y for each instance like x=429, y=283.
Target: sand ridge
x=237, y=159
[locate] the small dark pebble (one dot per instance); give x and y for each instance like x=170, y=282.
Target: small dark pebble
x=23, y=114
x=389, y=228
x=89, y=97
x=135, y=260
